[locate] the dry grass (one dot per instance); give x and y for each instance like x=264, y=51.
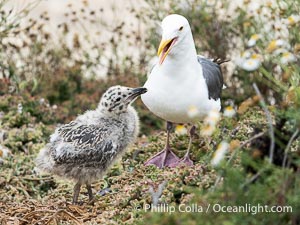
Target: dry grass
x=28, y=198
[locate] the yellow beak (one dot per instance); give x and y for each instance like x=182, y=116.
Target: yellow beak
x=160, y=52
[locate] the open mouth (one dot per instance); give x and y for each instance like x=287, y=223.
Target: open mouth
x=164, y=48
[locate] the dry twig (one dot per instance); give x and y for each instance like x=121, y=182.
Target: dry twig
x=156, y=195
x=269, y=118
x=288, y=146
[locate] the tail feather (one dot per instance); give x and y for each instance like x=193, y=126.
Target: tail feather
x=220, y=61
x=44, y=160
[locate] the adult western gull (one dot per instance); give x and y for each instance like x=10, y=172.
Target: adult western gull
x=181, y=80
x=85, y=148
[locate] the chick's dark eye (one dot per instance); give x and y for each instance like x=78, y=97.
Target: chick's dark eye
x=181, y=28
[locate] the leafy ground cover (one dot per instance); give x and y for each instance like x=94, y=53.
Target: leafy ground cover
x=247, y=155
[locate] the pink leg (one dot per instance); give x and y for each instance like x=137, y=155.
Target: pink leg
x=166, y=157
x=186, y=159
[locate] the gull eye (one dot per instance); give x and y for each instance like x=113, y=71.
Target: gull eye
x=181, y=28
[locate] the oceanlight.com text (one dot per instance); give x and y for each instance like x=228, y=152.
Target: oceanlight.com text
x=216, y=208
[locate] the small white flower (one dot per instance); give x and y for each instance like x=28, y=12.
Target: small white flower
x=180, y=130
x=246, y=55
x=20, y=108
x=251, y=65
x=42, y=101
x=288, y=57
x=293, y=19
x=229, y=111
x=54, y=107
x=212, y=118
x=193, y=111
x=251, y=42
x=208, y=130
x=210, y=123
x=249, y=62
x=275, y=44
x=253, y=39
x=220, y=153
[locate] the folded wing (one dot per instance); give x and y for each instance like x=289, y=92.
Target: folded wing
x=80, y=143
x=213, y=76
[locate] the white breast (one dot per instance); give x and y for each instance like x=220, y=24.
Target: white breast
x=171, y=95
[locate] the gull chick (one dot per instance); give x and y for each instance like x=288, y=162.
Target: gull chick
x=85, y=148
x=181, y=80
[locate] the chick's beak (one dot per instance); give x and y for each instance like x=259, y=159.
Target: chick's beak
x=136, y=92
x=164, y=48
x=140, y=90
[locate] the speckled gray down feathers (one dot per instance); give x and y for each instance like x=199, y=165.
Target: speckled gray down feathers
x=85, y=148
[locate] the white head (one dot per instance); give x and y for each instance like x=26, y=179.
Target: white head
x=117, y=99
x=175, y=30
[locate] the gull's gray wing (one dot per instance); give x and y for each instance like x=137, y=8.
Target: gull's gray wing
x=213, y=76
x=81, y=143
